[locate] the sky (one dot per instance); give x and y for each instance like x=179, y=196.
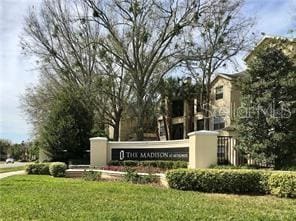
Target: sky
x=17, y=72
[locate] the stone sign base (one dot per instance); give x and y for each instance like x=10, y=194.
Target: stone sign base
x=200, y=150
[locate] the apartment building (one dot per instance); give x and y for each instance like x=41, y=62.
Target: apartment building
x=224, y=99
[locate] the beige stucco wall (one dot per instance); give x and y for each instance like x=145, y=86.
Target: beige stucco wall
x=178, y=120
x=235, y=102
x=98, y=151
x=126, y=126
x=288, y=46
x=202, y=149
x=221, y=107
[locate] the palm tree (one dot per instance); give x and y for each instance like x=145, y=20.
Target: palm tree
x=177, y=89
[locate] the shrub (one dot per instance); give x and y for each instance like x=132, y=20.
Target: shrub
x=150, y=178
x=163, y=164
x=130, y=163
x=283, y=184
x=219, y=181
x=38, y=168
x=289, y=168
x=91, y=175
x=57, y=169
x=30, y=168
x=115, y=163
x=246, y=166
x=132, y=176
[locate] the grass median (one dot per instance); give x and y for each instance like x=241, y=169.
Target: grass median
x=11, y=169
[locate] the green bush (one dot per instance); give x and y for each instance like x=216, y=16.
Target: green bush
x=57, y=169
x=91, y=175
x=130, y=163
x=245, y=166
x=157, y=163
x=283, y=184
x=38, y=168
x=289, y=168
x=150, y=178
x=219, y=181
x=132, y=176
x=115, y=163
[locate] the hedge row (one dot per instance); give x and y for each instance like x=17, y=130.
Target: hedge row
x=56, y=169
x=282, y=184
x=38, y=168
x=156, y=163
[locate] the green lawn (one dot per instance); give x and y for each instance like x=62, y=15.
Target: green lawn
x=46, y=198
x=11, y=169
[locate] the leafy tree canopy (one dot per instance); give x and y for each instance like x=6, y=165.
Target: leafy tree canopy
x=67, y=128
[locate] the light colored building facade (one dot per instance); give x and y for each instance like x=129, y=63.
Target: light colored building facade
x=225, y=99
x=225, y=95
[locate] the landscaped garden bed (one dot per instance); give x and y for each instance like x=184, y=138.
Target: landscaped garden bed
x=139, y=169
x=238, y=181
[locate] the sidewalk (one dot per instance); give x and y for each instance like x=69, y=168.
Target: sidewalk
x=3, y=175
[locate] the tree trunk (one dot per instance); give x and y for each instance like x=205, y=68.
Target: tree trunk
x=116, y=131
x=165, y=126
x=169, y=120
x=207, y=99
x=190, y=115
x=140, y=110
x=117, y=125
x=201, y=96
x=140, y=126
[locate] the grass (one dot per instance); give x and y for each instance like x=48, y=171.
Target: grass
x=45, y=198
x=11, y=169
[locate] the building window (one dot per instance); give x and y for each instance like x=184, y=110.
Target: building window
x=219, y=92
x=200, y=124
x=219, y=123
x=177, y=108
x=177, y=131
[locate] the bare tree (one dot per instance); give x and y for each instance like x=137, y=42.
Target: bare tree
x=221, y=34
x=35, y=102
x=144, y=37
x=113, y=94
x=64, y=42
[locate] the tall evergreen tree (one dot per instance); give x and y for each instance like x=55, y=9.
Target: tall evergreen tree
x=267, y=117
x=66, y=130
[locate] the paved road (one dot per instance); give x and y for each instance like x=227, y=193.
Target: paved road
x=3, y=175
x=8, y=165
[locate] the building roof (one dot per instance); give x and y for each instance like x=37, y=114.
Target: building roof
x=235, y=75
x=266, y=39
x=229, y=77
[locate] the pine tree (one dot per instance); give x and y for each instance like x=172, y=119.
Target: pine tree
x=267, y=117
x=66, y=131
